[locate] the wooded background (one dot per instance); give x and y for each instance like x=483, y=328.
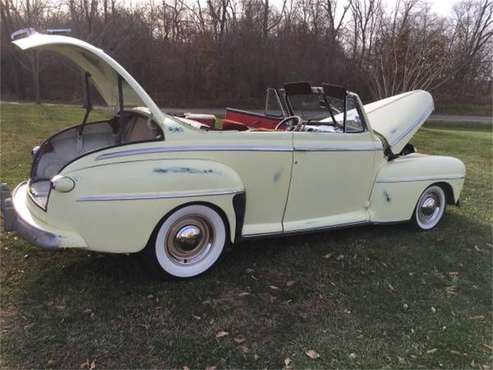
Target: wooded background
x=211, y=53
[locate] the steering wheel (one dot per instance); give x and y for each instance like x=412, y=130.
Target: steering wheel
x=295, y=125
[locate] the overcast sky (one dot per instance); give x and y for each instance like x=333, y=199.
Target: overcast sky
x=441, y=7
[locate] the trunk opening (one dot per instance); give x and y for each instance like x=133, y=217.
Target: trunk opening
x=75, y=142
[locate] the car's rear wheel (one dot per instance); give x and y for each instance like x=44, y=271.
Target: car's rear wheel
x=189, y=241
x=430, y=208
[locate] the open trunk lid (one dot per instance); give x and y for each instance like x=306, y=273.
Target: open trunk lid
x=398, y=117
x=103, y=69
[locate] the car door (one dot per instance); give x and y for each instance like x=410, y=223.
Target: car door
x=332, y=176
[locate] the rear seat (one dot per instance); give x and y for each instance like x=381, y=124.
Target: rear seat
x=234, y=125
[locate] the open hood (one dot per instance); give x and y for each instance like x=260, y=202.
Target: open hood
x=103, y=69
x=399, y=117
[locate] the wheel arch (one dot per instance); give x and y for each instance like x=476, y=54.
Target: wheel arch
x=215, y=207
x=396, y=201
x=449, y=191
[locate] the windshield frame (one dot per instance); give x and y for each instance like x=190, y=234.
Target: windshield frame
x=321, y=92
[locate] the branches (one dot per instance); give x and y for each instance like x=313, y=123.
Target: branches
x=236, y=48
x=413, y=48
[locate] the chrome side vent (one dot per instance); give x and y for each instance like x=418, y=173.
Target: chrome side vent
x=58, y=31
x=24, y=32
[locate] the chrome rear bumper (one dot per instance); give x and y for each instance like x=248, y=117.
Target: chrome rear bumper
x=12, y=221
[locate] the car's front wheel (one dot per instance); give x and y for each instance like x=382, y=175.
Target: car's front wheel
x=430, y=208
x=189, y=242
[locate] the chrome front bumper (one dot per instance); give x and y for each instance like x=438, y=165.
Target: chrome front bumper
x=12, y=221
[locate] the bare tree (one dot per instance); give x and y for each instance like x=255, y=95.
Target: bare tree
x=413, y=48
x=228, y=51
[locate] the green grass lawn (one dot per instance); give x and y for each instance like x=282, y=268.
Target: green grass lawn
x=368, y=297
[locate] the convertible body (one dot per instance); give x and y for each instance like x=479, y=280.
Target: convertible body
x=145, y=180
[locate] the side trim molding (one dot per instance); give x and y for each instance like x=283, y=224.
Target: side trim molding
x=177, y=149
x=231, y=148
x=148, y=196
x=335, y=149
x=414, y=179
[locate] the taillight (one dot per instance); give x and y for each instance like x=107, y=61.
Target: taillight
x=40, y=190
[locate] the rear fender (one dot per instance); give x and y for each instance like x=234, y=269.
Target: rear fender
x=115, y=207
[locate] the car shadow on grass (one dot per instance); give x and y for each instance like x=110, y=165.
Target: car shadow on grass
x=384, y=293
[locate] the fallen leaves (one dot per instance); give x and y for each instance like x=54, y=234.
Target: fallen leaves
x=244, y=348
x=391, y=287
x=452, y=289
x=312, y=354
x=221, y=333
x=488, y=346
x=88, y=365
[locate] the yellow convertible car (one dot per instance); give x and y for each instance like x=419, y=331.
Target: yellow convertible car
x=181, y=191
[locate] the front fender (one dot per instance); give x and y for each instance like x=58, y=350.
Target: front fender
x=116, y=206
x=400, y=182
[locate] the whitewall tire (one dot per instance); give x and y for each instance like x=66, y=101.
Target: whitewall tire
x=189, y=241
x=430, y=208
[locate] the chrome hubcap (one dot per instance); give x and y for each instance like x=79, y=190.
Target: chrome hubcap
x=189, y=240
x=429, y=208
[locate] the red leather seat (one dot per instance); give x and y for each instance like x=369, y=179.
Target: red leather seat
x=234, y=125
